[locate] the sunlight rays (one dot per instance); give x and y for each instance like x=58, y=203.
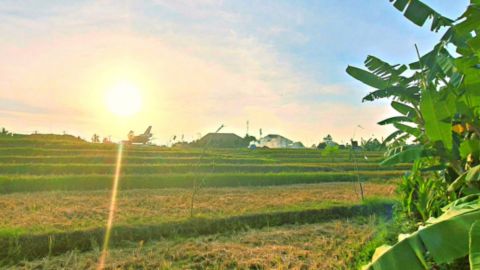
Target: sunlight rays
x=124, y=99
x=113, y=204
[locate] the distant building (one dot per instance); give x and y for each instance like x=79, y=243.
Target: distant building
x=297, y=145
x=328, y=140
x=222, y=140
x=277, y=141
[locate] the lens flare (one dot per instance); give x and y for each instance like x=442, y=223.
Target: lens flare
x=124, y=99
x=113, y=205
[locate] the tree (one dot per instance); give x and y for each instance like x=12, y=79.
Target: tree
x=321, y=145
x=372, y=144
x=330, y=151
x=95, y=138
x=438, y=101
x=4, y=132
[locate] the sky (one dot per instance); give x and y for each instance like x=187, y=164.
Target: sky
x=196, y=65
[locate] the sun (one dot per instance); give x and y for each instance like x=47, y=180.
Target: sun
x=124, y=99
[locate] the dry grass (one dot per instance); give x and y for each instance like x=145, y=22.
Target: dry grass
x=327, y=245
x=330, y=245
x=52, y=211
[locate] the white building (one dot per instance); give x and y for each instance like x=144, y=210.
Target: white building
x=277, y=141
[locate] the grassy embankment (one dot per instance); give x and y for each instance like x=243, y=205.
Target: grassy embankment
x=56, y=195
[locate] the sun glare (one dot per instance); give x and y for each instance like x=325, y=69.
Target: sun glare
x=124, y=99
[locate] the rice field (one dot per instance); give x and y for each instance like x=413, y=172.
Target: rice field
x=63, y=211
x=327, y=245
x=252, y=209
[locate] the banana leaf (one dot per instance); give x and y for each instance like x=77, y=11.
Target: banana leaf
x=418, y=13
x=403, y=109
x=445, y=239
x=392, y=136
x=367, y=77
x=410, y=154
x=469, y=147
x=394, y=119
x=382, y=68
x=472, y=175
x=434, y=111
x=408, y=129
x=474, y=246
x=410, y=94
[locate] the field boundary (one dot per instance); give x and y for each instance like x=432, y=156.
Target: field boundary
x=26, y=247
x=26, y=183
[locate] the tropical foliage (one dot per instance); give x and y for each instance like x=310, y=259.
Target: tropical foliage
x=372, y=144
x=438, y=128
x=452, y=235
x=331, y=151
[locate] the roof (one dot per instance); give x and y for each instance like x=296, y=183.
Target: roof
x=222, y=140
x=276, y=136
x=222, y=135
x=273, y=135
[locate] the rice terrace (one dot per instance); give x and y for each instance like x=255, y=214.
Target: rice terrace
x=232, y=134
x=245, y=198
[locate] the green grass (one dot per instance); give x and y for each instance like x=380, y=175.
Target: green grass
x=56, y=222
x=65, y=210
x=38, y=245
x=110, y=158
x=55, y=195
x=26, y=183
x=72, y=168
x=331, y=244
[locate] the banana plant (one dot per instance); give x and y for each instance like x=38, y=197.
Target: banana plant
x=437, y=98
x=453, y=235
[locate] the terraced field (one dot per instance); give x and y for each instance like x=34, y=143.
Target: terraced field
x=252, y=209
x=326, y=245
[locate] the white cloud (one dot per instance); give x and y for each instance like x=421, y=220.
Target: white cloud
x=193, y=79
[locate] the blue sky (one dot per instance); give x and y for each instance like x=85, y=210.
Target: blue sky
x=279, y=64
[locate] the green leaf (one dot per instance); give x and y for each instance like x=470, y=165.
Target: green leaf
x=474, y=246
x=403, y=109
x=418, y=12
x=392, y=136
x=445, y=62
x=400, y=4
x=461, y=32
x=469, y=147
x=473, y=175
x=382, y=68
x=410, y=94
x=458, y=183
x=394, y=119
x=410, y=154
x=367, y=77
x=467, y=183
x=435, y=111
x=408, y=129
x=433, y=168
x=456, y=79
x=472, y=79
x=445, y=239
x=448, y=239
x=387, y=259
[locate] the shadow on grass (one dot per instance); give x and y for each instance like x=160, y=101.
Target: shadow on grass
x=26, y=183
x=21, y=246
